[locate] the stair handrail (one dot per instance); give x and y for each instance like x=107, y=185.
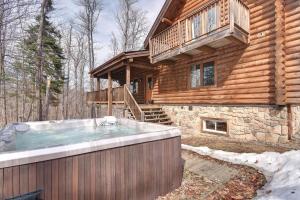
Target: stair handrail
x=137, y=111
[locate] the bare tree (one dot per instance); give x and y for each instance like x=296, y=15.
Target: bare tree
x=132, y=27
x=88, y=17
x=12, y=14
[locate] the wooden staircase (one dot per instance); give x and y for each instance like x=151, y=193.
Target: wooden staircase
x=152, y=114
x=155, y=114
x=144, y=113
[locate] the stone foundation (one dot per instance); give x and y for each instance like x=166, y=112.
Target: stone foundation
x=261, y=123
x=296, y=120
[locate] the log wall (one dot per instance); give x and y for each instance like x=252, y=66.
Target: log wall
x=245, y=74
x=292, y=50
x=141, y=171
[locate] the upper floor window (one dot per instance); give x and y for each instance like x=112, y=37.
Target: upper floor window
x=212, y=18
x=196, y=26
x=202, y=75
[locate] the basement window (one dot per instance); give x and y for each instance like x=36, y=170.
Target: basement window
x=215, y=126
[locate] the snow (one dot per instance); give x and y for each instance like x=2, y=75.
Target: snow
x=281, y=170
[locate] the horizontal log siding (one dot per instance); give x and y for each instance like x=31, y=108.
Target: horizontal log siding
x=245, y=74
x=142, y=171
x=292, y=50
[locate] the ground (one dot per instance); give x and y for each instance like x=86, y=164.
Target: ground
x=224, y=144
x=208, y=178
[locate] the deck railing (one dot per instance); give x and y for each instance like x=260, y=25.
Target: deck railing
x=134, y=107
x=208, y=18
x=118, y=94
x=97, y=96
x=102, y=96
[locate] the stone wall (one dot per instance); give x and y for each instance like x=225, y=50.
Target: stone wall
x=261, y=123
x=296, y=120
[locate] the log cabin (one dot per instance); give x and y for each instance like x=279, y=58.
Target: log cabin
x=220, y=67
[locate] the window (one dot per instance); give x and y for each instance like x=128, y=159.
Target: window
x=195, y=76
x=208, y=74
x=150, y=83
x=212, y=19
x=196, y=26
x=134, y=86
x=202, y=75
x=215, y=126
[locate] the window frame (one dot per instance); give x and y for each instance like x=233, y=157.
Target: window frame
x=201, y=64
x=133, y=85
x=216, y=120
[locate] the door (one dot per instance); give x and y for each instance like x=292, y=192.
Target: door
x=149, y=88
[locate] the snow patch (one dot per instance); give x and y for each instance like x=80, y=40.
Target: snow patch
x=281, y=170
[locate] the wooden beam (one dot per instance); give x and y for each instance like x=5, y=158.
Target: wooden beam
x=109, y=109
x=184, y=56
x=166, y=62
x=98, y=84
x=128, y=75
x=166, y=21
x=206, y=49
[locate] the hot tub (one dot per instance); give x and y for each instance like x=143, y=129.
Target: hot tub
x=72, y=160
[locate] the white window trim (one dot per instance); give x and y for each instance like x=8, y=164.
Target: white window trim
x=214, y=131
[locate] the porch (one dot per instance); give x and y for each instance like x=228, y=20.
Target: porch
x=128, y=79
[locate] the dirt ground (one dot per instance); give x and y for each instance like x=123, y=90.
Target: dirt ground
x=241, y=183
x=224, y=144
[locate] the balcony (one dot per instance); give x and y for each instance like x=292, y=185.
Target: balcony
x=216, y=24
x=101, y=97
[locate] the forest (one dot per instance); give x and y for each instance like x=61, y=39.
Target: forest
x=45, y=59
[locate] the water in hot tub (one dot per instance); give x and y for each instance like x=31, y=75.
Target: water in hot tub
x=37, y=139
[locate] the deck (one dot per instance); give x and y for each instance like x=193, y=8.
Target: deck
x=210, y=27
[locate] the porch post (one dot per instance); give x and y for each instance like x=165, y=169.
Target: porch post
x=127, y=75
x=98, y=84
x=109, y=91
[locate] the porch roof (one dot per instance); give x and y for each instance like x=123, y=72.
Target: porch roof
x=132, y=58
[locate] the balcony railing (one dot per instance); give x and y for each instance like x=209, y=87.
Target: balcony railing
x=102, y=96
x=201, y=24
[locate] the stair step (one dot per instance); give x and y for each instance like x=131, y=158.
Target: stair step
x=166, y=122
x=154, y=112
x=156, y=115
x=150, y=109
x=157, y=119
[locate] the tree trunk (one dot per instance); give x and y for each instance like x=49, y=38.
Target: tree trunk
x=40, y=58
x=47, y=99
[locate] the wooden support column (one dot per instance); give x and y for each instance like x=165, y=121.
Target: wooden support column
x=98, y=84
x=128, y=75
x=109, y=91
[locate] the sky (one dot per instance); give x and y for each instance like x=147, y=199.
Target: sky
x=67, y=9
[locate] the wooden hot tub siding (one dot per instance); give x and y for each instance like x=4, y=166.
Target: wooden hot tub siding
x=141, y=171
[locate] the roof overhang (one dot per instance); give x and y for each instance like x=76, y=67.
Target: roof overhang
x=119, y=61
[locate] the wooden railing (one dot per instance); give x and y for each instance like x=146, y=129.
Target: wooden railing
x=97, y=96
x=102, y=96
x=118, y=94
x=208, y=18
x=133, y=105
x=168, y=39
x=241, y=14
